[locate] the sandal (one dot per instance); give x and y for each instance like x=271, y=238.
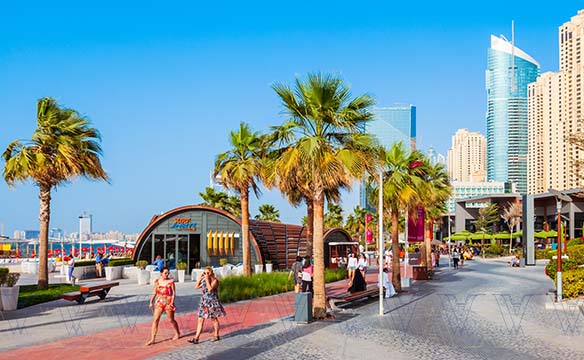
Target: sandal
x=216, y=338
x=193, y=341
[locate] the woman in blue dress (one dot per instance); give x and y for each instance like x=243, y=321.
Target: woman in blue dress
x=209, y=307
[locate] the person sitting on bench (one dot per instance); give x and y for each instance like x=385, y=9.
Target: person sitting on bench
x=358, y=283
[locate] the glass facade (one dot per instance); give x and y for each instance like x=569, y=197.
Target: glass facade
x=509, y=71
x=463, y=190
x=391, y=125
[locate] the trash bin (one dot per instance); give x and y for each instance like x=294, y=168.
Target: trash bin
x=420, y=272
x=303, y=307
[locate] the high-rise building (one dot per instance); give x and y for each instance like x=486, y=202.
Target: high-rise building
x=435, y=157
x=467, y=158
x=394, y=124
x=509, y=71
x=555, y=113
x=391, y=125
x=85, y=226
x=464, y=190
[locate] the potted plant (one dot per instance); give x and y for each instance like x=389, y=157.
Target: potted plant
x=143, y=274
x=269, y=266
x=9, y=291
x=182, y=267
x=259, y=268
x=114, y=268
x=223, y=261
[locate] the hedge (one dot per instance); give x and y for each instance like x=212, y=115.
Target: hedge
x=552, y=267
x=120, y=262
x=236, y=288
x=84, y=263
x=576, y=253
x=573, y=283
x=576, y=241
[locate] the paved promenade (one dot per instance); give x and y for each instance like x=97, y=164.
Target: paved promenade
x=485, y=310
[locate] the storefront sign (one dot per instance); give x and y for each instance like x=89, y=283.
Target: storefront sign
x=184, y=224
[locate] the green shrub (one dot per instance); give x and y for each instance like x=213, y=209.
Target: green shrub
x=576, y=241
x=494, y=249
x=3, y=275
x=576, y=253
x=236, y=288
x=551, y=254
x=181, y=265
x=552, y=267
x=141, y=264
x=121, y=262
x=11, y=279
x=573, y=283
x=84, y=263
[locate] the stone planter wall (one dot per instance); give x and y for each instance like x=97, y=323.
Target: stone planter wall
x=130, y=272
x=9, y=297
x=84, y=272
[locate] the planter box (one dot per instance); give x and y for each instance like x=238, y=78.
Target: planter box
x=269, y=268
x=113, y=272
x=154, y=275
x=84, y=272
x=173, y=274
x=9, y=297
x=130, y=272
x=181, y=276
x=143, y=277
x=259, y=268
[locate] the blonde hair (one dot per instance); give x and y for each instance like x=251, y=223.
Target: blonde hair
x=210, y=270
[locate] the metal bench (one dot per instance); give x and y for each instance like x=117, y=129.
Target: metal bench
x=85, y=291
x=350, y=297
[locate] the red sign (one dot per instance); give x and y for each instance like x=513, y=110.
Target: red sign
x=369, y=236
x=416, y=225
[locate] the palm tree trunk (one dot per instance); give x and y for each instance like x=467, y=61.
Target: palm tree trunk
x=395, y=270
x=318, y=276
x=44, y=217
x=309, y=226
x=245, y=232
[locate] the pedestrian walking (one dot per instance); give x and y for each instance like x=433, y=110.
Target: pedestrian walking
x=455, y=258
x=70, y=268
x=363, y=264
x=209, y=307
x=462, y=251
x=352, y=266
x=296, y=273
x=164, y=293
x=307, y=272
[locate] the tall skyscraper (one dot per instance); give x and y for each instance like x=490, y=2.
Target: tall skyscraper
x=85, y=226
x=394, y=124
x=391, y=125
x=555, y=112
x=509, y=71
x=467, y=158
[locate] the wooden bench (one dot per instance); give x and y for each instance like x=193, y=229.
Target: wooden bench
x=96, y=289
x=350, y=297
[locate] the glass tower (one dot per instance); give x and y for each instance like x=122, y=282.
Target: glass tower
x=509, y=71
x=391, y=125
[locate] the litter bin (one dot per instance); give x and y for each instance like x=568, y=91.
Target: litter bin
x=420, y=272
x=303, y=307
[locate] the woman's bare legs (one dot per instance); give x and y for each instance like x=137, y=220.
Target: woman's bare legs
x=157, y=315
x=216, y=327
x=170, y=315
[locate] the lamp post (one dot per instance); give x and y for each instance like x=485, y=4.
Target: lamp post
x=559, y=198
x=380, y=242
x=449, y=241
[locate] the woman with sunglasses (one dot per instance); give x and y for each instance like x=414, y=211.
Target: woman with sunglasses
x=164, y=293
x=209, y=307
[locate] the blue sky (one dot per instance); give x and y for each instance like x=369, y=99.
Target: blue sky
x=166, y=82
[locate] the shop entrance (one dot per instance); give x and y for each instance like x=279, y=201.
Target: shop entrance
x=176, y=248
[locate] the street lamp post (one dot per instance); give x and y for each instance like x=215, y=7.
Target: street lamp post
x=381, y=242
x=80, y=229
x=449, y=241
x=559, y=198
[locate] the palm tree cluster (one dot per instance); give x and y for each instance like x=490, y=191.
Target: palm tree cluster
x=319, y=149
x=221, y=200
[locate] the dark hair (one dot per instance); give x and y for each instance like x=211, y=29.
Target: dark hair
x=307, y=257
x=164, y=268
x=298, y=258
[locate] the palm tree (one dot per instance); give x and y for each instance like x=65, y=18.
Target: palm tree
x=213, y=198
x=488, y=215
x=434, y=193
x=355, y=224
x=63, y=146
x=403, y=179
x=334, y=216
x=239, y=169
x=322, y=142
x=268, y=213
x=512, y=215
